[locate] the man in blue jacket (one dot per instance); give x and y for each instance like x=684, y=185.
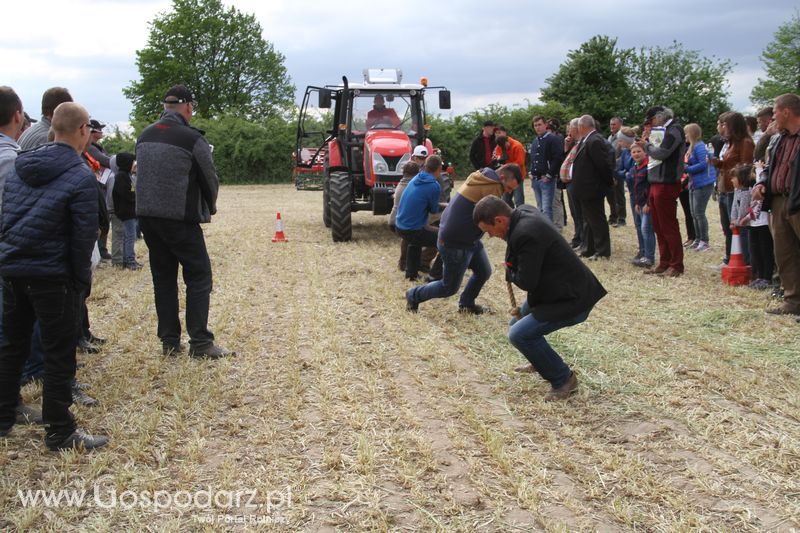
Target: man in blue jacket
x=546, y=154
x=420, y=199
x=49, y=227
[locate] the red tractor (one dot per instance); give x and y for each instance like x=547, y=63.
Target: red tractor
x=362, y=144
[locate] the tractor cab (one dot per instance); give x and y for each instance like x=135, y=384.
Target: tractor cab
x=364, y=133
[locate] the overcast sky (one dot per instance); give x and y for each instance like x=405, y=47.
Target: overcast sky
x=484, y=52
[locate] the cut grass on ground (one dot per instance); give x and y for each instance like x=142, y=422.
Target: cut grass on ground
x=687, y=416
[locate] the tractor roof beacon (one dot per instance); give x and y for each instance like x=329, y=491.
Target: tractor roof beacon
x=359, y=136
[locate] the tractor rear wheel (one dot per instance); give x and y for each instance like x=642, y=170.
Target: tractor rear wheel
x=340, y=194
x=326, y=203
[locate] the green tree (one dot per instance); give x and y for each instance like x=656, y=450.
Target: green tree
x=693, y=86
x=781, y=60
x=220, y=54
x=593, y=79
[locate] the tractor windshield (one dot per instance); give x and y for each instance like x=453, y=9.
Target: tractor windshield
x=384, y=111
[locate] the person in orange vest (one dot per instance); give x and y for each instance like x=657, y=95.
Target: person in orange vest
x=510, y=150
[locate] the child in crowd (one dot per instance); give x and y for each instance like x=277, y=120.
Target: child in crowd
x=762, y=256
x=742, y=180
x=124, y=195
x=642, y=215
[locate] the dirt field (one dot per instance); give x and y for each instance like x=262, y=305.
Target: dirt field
x=344, y=412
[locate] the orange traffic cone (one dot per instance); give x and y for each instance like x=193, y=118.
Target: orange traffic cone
x=279, y=235
x=736, y=272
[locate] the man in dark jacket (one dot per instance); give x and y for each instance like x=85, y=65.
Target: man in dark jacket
x=592, y=176
x=176, y=190
x=664, y=171
x=482, y=148
x=782, y=198
x=49, y=228
x=561, y=290
x=546, y=155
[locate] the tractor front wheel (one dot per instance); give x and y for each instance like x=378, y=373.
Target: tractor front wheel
x=340, y=197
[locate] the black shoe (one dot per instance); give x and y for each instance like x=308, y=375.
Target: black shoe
x=621, y=222
x=132, y=266
x=473, y=309
x=411, y=305
x=5, y=432
x=173, y=349
x=96, y=340
x=79, y=439
x=81, y=398
x=412, y=278
x=598, y=257
x=29, y=414
x=210, y=351
x=87, y=347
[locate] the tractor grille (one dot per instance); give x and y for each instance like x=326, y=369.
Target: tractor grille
x=392, y=161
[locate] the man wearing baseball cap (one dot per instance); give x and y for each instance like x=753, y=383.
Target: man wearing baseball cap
x=176, y=191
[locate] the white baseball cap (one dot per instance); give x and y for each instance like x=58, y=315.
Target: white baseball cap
x=420, y=151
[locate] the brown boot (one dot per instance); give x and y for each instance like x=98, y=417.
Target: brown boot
x=564, y=391
x=525, y=369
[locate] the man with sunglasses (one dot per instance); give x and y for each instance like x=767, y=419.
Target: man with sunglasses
x=176, y=191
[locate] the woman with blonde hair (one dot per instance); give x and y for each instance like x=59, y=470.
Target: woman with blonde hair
x=702, y=176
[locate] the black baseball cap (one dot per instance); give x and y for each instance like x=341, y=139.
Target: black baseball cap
x=29, y=119
x=179, y=94
x=96, y=125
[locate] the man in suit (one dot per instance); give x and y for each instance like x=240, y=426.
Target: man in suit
x=561, y=290
x=592, y=175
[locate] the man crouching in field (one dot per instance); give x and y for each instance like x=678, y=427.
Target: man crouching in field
x=561, y=289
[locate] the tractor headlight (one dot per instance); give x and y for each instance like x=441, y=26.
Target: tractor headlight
x=403, y=160
x=379, y=165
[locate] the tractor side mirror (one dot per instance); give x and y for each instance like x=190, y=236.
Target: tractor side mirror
x=325, y=99
x=444, y=99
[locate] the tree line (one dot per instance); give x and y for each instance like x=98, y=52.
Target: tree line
x=245, y=97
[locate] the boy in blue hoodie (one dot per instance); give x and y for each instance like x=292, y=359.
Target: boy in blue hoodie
x=420, y=199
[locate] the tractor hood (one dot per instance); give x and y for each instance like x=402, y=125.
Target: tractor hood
x=392, y=143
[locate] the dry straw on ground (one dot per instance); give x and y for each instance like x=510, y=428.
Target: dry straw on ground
x=687, y=418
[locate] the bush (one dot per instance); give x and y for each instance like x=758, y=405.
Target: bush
x=250, y=152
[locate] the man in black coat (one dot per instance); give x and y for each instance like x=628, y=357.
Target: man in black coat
x=561, y=290
x=592, y=177
x=482, y=148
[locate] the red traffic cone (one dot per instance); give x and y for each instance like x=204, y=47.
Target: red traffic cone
x=279, y=235
x=736, y=272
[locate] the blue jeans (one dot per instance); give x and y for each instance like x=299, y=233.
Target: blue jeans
x=455, y=262
x=699, y=201
x=527, y=336
x=518, y=196
x=648, y=236
x=128, y=241
x=544, y=196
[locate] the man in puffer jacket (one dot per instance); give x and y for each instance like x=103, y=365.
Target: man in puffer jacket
x=176, y=190
x=49, y=227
